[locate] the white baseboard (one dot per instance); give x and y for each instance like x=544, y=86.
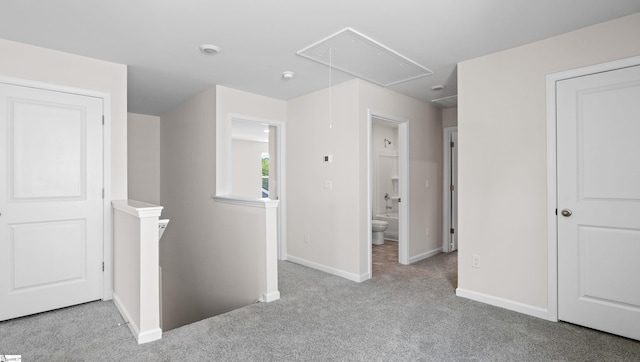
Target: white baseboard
x=327, y=269
x=150, y=335
x=504, y=303
x=270, y=297
x=144, y=337
x=426, y=255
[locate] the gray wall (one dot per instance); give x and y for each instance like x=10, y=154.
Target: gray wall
x=210, y=258
x=143, y=158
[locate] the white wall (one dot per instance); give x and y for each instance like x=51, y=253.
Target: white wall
x=384, y=168
x=45, y=65
x=143, y=157
x=323, y=225
x=329, y=229
x=247, y=168
x=502, y=157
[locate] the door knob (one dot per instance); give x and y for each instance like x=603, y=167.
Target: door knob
x=566, y=212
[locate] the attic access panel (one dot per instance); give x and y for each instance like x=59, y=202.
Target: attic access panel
x=446, y=102
x=363, y=57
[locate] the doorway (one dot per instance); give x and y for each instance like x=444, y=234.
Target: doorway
x=388, y=193
x=594, y=225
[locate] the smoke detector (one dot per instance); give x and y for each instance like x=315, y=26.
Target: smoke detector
x=209, y=49
x=288, y=75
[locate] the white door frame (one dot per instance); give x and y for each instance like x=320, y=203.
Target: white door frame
x=403, y=184
x=107, y=240
x=281, y=172
x=552, y=187
x=447, y=165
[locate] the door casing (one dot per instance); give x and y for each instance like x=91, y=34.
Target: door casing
x=552, y=187
x=448, y=208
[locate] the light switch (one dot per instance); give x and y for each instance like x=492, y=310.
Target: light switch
x=328, y=185
x=328, y=158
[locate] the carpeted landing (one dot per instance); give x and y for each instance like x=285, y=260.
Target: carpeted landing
x=404, y=313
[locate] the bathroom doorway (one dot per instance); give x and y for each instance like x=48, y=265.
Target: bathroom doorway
x=388, y=138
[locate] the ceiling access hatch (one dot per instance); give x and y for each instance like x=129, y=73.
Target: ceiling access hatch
x=446, y=102
x=363, y=57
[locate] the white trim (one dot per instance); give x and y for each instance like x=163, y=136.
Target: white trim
x=270, y=297
x=403, y=185
x=446, y=194
x=148, y=336
x=236, y=200
x=136, y=208
x=372, y=42
x=552, y=227
x=107, y=241
x=282, y=171
x=126, y=316
x=426, y=255
x=107, y=288
x=552, y=187
x=327, y=269
x=52, y=87
x=503, y=303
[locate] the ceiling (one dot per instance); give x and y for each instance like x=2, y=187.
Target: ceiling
x=159, y=39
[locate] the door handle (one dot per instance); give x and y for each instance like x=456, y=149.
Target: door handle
x=566, y=212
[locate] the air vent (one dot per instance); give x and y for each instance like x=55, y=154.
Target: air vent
x=446, y=102
x=363, y=57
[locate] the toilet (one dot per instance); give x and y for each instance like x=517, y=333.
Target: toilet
x=377, y=231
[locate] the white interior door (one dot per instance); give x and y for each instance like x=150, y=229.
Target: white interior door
x=51, y=199
x=598, y=170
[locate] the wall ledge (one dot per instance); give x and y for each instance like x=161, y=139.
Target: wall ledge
x=137, y=208
x=244, y=201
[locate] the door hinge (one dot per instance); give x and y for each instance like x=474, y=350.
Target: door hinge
x=452, y=231
x=103, y=193
x=452, y=144
x=452, y=188
x=103, y=266
x=103, y=119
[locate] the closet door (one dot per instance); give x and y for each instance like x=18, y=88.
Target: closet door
x=51, y=200
x=598, y=126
